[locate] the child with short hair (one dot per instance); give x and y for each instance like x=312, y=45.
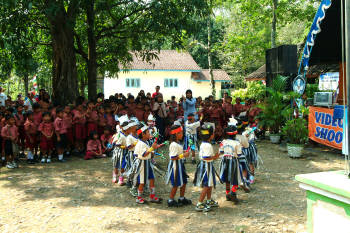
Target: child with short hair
x=205, y=173
x=191, y=135
x=91, y=117
x=143, y=164
x=68, y=123
x=20, y=120
x=119, y=151
x=61, y=136
x=229, y=165
x=176, y=168
x=106, y=140
x=9, y=134
x=94, y=147
x=47, y=130
x=31, y=131
x=79, y=120
x=102, y=120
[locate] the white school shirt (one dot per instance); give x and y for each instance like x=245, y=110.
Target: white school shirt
x=141, y=148
x=191, y=128
x=250, y=133
x=206, y=151
x=243, y=140
x=3, y=98
x=121, y=140
x=130, y=141
x=175, y=149
x=230, y=147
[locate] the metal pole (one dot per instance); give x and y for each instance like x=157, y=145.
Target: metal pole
x=347, y=58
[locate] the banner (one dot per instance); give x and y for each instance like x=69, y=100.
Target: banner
x=329, y=81
x=324, y=129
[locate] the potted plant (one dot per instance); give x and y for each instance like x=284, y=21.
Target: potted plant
x=296, y=132
x=276, y=103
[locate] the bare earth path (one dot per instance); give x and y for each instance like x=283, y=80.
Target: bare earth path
x=78, y=196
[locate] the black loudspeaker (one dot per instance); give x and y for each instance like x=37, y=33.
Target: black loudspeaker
x=281, y=61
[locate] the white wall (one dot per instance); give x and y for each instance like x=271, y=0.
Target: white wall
x=150, y=79
x=203, y=89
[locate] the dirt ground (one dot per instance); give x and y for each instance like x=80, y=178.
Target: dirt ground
x=78, y=196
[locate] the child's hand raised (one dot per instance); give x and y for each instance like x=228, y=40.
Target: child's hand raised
x=155, y=145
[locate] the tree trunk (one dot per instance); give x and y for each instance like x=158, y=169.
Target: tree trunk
x=212, y=81
x=273, y=24
x=26, y=84
x=92, y=56
x=64, y=68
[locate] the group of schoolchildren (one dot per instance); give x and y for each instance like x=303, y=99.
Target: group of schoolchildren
x=136, y=143
x=115, y=127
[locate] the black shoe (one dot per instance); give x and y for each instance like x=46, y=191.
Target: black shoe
x=193, y=161
x=173, y=203
x=128, y=184
x=232, y=197
x=30, y=161
x=185, y=201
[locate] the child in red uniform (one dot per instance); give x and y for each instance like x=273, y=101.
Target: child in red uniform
x=68, y=123
x=106, y=139
x=19, y=117
x=61, y=136
x=9, y=134
x=102, y=120
x=79, y=119
x=92, y=118
x=31, y=131
x=46, y=128
x=110, y=118
x=94, y=148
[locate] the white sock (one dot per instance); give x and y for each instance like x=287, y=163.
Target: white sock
x=3, y=158
x=30, y=155
x=60, y=157
x=49, y=156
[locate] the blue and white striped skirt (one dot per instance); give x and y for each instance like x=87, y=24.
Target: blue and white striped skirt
x=230, y=171
x=176, y=173
x=205, y=174
x=253, y=154
x=118, y=158
x=144, y=171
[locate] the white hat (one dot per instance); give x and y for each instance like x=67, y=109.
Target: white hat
x=124, y=119
x=232, y=121
x=132, y=123
x=151, y=117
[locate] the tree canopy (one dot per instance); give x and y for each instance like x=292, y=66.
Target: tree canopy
x=70, y=43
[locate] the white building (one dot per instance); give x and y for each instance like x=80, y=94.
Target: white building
x=173, y=71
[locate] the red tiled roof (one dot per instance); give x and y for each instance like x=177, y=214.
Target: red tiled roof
x=219, y=75
x=167, y=60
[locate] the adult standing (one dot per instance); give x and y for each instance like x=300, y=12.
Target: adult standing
x=161, y=114
x=189, y=105
x=155, y=94
x=3, y=97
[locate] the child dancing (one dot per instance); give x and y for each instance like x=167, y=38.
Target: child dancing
x=191, y=135
x=144, y=166
x=205, y=173
x=176, y=168
x=229, y=166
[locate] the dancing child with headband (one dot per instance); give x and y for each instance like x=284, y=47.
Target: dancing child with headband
x=205, y=173
x=176, y=168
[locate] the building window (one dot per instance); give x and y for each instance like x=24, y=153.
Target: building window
x=132, y=82
x=170, y=82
